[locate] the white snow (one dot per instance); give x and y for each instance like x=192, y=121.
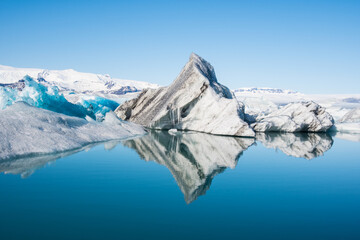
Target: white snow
x=263, y=90
x=27, y=130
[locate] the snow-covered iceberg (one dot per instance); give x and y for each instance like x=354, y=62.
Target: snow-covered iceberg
x=295, y=117
x=194, y=101
x=349, y=136
x=193, y=158
x=351, y=116
x=300, y=145
x=349, y=123
x=260, y=102
x=36, y=94
x=26, y=130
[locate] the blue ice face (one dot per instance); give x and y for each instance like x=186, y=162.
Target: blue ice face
x=98, y=105
x=38, y=95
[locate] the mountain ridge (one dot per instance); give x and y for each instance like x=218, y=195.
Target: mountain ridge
x=72, y=80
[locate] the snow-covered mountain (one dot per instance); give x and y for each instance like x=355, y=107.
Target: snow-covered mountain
x=264, y=90
x=71, y=80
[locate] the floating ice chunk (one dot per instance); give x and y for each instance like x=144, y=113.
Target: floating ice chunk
x=295, y=117
x=30, y=130
x=352, y=116
x=349, y=123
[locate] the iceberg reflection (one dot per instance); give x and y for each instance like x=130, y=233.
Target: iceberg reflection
x=194, y=159
x=26, y=166
x=300, y=145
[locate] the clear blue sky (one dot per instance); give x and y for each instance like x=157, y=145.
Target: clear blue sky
x=309, y=46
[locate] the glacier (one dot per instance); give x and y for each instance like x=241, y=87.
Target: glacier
x=70, y=80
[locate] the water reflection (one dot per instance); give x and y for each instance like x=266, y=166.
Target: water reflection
x=26, y=166
x=300, y=145
x=192, y=158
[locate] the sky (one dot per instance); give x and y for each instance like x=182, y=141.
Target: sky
x=307, y=46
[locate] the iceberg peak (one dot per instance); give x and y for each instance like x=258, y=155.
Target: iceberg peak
x=194, y=101
x=200, y=65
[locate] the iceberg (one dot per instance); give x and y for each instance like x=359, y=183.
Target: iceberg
x=36, y=94
x=295, y=117
x=26, y=130
x=351, y=116
x=349, y=123
x=195, y=101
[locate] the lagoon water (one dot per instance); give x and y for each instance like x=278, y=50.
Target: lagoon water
x=187, y=186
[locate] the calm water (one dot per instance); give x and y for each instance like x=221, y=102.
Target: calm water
x=189, y=186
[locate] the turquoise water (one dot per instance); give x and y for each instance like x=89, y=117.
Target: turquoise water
x=187, y=186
